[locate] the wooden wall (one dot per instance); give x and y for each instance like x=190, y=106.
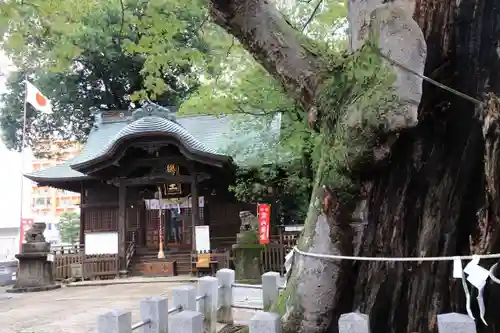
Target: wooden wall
x=100, y=209
x=223, y=216
x=100, y=213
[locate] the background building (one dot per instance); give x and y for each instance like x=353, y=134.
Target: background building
x=46, y=203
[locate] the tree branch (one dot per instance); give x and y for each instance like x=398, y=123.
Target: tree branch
x=313, y=14
x=263, y=113
x=274, y=43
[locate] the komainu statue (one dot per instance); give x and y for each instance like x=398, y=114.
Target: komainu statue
x=35, y=233
x=248, y=221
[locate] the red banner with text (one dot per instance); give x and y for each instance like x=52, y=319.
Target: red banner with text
x=24, y=225
x=264, y=216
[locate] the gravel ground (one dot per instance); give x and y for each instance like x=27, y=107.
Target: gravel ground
x=75, y=310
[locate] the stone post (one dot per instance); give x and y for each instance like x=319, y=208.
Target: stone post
x=247, y=250
x=226, y=278
x=186, y=322
x=270, y=291
x=184, y=297
x=455, y=322
x=265, y=322
x=154, y=309
x=115, y=321
x=208, y=286
x=354, y=322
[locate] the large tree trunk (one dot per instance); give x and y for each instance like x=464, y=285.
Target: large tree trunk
x=431, y=198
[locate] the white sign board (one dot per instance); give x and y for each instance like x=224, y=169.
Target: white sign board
x=202, y=238
x=294, y=228
x=101, y=243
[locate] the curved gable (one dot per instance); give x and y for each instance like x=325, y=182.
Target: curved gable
x=155, y=126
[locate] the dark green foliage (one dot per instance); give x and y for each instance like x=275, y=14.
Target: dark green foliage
x=95, y=62
x=69, y=227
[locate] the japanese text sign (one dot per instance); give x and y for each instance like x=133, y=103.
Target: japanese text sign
x=264, y=217
x=23, y=227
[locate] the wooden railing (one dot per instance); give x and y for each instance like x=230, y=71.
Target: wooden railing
x=62, y=264
x=107, y=265
x=102, y=266
x=66, y=249
x=273, y=258
x=69, y=259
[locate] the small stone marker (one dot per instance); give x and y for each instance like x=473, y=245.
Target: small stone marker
x=455, y=323
x=156, y=310
x=186, y=322
x=270, y=290
x=115, y=321
x=208, y=286
x=184, y=296
x=226, y=279
x=265, y=322
x=354, y=322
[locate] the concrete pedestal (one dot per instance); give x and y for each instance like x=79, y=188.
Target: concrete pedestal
x=35, y=274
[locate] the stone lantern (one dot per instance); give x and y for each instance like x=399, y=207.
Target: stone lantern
x=35, y=270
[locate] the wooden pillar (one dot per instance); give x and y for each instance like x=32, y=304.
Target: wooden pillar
x=82, y=216
x=122, y=201
x=195, y=209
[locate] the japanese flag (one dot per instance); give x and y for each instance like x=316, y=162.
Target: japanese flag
x=37, y=99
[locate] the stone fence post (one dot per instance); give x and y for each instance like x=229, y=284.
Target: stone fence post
x=455, y=323
x=115, y=321
x=186, y=321
x=184, y=297
x=270, y=289
x=265, y=322
x=154, y=309
x=226, y=278
x=209, y=288
x=354, y=322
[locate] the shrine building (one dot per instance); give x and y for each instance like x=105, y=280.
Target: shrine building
x=147, y=178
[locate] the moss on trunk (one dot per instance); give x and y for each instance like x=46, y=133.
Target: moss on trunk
x=423, y=202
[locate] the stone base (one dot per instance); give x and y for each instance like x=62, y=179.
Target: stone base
x=33, y=289
x=35, y=273
x=247, y=262
x=122, y=274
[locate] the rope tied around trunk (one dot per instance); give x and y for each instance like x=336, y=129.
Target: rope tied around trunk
x=393, y=259
x=477, y=275
x=431, y=81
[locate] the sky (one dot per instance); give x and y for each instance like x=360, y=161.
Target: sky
x=10, y=169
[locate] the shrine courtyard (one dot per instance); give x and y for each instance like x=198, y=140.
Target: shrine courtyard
x=75, y=310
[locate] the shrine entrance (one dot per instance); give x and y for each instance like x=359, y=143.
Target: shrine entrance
x=173, y=226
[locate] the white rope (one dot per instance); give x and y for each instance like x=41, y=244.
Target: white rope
x=393, y=259
x=492, y=274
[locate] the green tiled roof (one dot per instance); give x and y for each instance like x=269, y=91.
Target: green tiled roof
x=248, y=140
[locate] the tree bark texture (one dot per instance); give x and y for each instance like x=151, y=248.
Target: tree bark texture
x=436, y=193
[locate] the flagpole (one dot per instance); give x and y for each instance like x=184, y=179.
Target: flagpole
x=23, y=142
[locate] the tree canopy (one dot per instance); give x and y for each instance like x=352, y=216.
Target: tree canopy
x=101, y=59
x=108, y=57
x=69, y=227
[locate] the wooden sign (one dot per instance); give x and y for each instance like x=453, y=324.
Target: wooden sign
x=172, y=189
x=264, y=217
